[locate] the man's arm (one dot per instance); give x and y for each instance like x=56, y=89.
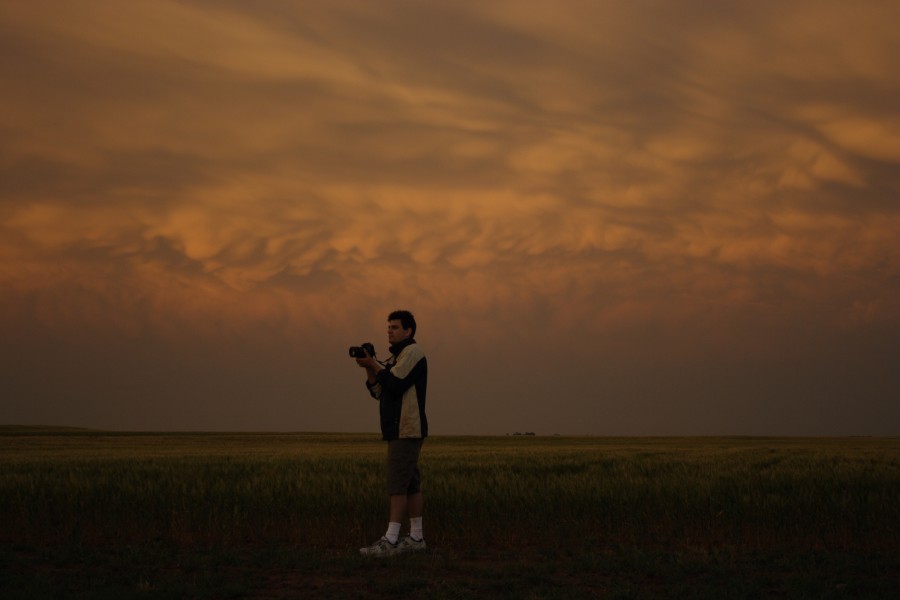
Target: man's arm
x=372, y=368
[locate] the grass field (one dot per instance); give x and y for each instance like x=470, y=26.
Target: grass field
x=86, y=514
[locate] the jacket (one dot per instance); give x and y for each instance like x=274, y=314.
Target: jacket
x=400, y=390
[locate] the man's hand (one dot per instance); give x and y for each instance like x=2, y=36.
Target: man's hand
x=371, y=366
x=368, y=362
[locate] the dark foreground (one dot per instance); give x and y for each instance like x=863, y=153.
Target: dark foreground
x=99, y=515
x=157, y=571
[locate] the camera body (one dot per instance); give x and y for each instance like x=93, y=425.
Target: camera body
x=360, y=351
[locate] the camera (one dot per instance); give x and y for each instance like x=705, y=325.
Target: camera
x=360, y=351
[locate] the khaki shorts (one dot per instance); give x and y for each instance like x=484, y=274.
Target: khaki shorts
x=403, y=467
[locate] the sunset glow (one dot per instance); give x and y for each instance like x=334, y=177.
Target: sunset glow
x=608, y=217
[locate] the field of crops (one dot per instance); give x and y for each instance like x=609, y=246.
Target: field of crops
x=100, y=514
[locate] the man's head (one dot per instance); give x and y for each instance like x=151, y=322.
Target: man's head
x=401, y=325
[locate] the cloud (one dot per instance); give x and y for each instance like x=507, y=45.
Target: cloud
x=675, y=181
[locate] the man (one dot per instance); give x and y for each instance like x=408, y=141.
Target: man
x=399, y=386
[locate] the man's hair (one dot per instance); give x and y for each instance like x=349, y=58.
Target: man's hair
x=406, y=318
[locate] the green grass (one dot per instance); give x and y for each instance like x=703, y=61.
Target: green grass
x=99, y=514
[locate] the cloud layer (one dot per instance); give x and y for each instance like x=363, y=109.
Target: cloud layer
x=693, y=192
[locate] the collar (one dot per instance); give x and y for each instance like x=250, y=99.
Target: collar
x=397, y=348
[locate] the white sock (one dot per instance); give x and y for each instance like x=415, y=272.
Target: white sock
x=415, y=528
x=393, y=532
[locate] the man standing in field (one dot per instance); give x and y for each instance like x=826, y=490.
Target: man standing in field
x=399, y=386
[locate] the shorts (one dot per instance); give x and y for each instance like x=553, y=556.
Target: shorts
x=403, y=466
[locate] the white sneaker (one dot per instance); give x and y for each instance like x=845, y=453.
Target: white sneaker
x=381, y=548
x=408, y=544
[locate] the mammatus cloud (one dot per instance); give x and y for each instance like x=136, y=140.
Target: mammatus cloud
x=663, y=183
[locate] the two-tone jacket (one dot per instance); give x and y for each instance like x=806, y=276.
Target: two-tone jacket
x=400, y=391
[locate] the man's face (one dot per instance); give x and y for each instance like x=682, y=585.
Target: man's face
x=396, y=333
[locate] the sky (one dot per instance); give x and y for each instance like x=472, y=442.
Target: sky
x=609, y=218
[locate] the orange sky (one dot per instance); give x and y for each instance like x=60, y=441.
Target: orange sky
x=641, y=217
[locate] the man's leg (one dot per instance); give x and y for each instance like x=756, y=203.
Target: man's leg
x=403, y=455
x=389, y=542
x=399, y=503
x=415, y=504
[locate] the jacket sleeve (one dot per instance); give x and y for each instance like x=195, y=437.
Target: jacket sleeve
x=374, y=389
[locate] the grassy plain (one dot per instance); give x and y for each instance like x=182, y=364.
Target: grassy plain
x=87, y=514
